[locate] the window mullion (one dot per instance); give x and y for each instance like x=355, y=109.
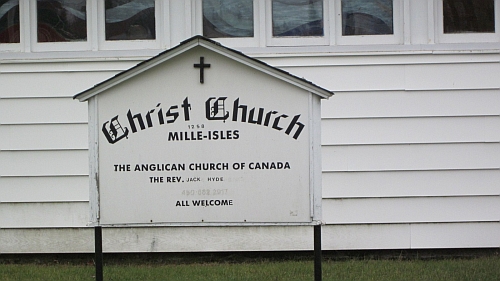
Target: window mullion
x=406, y=22
x=92, y=24
x=25, y=25
x=432, y=26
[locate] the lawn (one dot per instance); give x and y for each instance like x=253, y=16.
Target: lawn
x=477, y=269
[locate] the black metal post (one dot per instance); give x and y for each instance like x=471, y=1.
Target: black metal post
x=98, y=253
x=318, y=274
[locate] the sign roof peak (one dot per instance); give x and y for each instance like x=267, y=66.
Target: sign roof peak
x=212, y=45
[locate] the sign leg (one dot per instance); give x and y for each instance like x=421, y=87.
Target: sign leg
x=98, y=253
x=318, y=274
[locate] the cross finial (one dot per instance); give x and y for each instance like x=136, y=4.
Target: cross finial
x=202, y=67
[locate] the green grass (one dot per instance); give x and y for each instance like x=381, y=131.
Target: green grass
x=477, y=269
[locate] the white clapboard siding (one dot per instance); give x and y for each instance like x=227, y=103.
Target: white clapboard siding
x=329, y=59
x=49, y=84
x=411, y=183
x=44, y=163
x=359, y=78
x=44, y=136
x=430, y=103
x=44, y=189
x=408, y=77
x=411, y=210
x=411, y=157
x=42, y=110
x=411, y=236
x=410, y=130
x=452, y=76
x=158, y=239
x=191, y=239
x=449, y=235
x=198, y=239
x=35, y=215
x=69, y=65
x=46, y=240
x=366, y=236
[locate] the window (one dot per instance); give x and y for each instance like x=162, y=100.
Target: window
x=83, y=25
x=360, y=22
x=228, y=18
x=93, y=25
x=234, y=23
x=9, y=21
x=300, y=22
x=464, y=16
x=461, y=21
x=58, y=25
x=297, y=18
x=130, y=20
x=133, y=24
x=361, y=17
x=61, y=20
x=297, y=22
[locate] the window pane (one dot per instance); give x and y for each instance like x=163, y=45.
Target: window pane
x=297, y=17
x=461, y=16
x=228, y=18
x=130, y=20
x=9, y=21
x=61, y=20
x=367, y=17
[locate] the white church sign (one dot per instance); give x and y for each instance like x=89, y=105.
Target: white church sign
x=204, y=135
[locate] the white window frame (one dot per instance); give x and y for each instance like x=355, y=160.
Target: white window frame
x=23, y=23
x=58, y=46
x=161, y=26
x=258, y=11
x=478, y=37
x=299, y=40
x=395, y=38
x=95, y=31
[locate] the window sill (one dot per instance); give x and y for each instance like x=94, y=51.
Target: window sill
x=261, y=52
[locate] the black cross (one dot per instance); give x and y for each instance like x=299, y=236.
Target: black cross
x=201, y=66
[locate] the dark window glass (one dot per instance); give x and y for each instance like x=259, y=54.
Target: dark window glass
x=227, y=18
x=9, y=21
x=367, y=17
x=297, y=17
x=130, y=20
x=463, y=16
x=61, y=20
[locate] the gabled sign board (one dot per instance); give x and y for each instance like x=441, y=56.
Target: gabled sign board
x=204, y=135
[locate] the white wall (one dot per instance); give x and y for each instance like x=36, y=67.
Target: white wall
x=411, y=158
x=411, y=150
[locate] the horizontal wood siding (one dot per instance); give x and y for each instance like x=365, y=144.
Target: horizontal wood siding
x=431, y=183
x=42, y=111
x=48, y=84
x=44, y=163
x=46, y=240
x=199, y=239
x=411, y=157
x=43, y=154
x=25, y=189
x=448, y=235
x=416, y=130
x=398, y=103
x=415, y=160
x=36, y=215
x=157, y=239
x=414, y=74
x=403, y=157
x=411, y=210
x=44, y=136
x=411, y=236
